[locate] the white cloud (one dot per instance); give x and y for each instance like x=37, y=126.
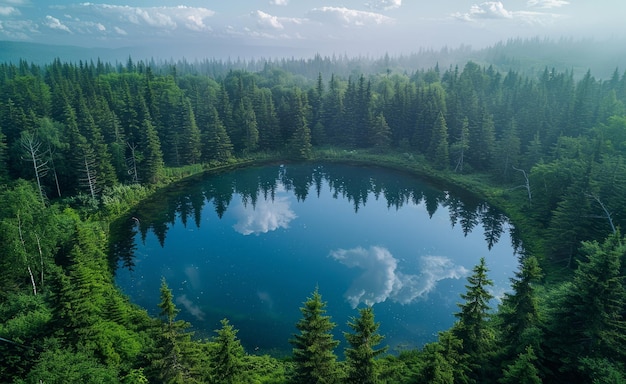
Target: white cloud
x=381, y=279
x=486, y=10
x=54, y=23
x=9, y=11
x=120, y=31
x=348, y=17
x=546, y=4
x=279, y=2
x=162, y=18
x=266, y=216
x=385, y=4
x=494, y=10
x=267, y=20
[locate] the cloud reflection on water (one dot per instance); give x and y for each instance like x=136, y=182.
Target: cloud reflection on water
x=265, y=216
x=191, y=307
x=381, y=279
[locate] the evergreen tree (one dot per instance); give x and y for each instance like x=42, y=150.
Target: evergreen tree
x=381, y=134
x=362, y=353
x=3, y=157
x=460, y=146
x=589, y=318
x=438, y=148
x=190, y=139
x=173, y=355
x=519, y=311
x=482, y=143
x=168, y=308
x=227, y=359
x=313, y=352
x=522, y=370
x=151, y=165
x=472, y=326
x=216, y=143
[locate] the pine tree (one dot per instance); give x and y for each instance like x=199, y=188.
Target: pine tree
x=151, y=165
x=313, y=352
x=168, y=308
x=438, y=148
x=216, y=143
x=471, y=326
x=3, y=157
x=190, y=139
x=227, y=360
x=362, y=353
x=519, y=311
x=522, y=370
x=381, y=134
x=589, y=318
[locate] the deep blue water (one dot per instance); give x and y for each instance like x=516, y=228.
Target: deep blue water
x=364, y=236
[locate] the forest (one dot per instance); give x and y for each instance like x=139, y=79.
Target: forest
x=81, y=143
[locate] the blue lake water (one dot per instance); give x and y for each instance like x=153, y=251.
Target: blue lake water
x=252, y=245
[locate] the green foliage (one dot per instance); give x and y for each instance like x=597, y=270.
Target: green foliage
x=523, y=370
x=587, y=319
x=472, y=327
x=60, y=366
x=313, y=352
x=168, y=308
x=361, y=354
x=227, y=359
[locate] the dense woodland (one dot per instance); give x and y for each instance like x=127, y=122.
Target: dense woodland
x=82, y=142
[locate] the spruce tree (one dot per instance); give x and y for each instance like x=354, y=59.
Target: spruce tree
x=588, y=320
x=520, y=311
x=361, y=354
x=227, y=359
x=471, y=326
x=438, y=148
x=522, y=370
x=313, y=352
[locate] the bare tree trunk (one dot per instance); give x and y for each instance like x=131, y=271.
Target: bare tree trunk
x=40, y=257
x=607, y=214
x=527, y=183
x=31, y=144
x=30, y=271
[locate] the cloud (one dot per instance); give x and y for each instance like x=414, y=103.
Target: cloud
x=9, y=11
x=162, y=18
x=494, y=10
x=547, y=4
x=266, y=216
x=54, y=23
x=381, y=279
x=385, y=4
x=120, y=31
x=190, y=307
x=267, y=20
x=486, y=10
x=348, y=17
x=279, y=2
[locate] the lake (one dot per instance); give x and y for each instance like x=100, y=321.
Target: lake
x=252, y=245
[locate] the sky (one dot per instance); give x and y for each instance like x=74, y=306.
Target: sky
x=304, y=27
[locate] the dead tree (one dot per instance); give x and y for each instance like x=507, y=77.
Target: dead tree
x=31, y=144
x=89, y=179
x=526, y=184
x=607, y=214
x=132, y=163
x=30, y=271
